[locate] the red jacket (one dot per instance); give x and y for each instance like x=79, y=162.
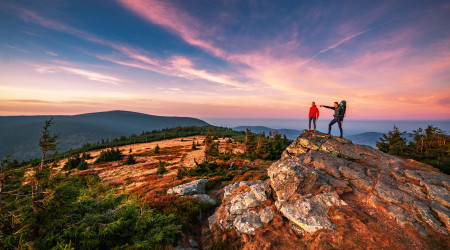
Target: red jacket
x=314, y=112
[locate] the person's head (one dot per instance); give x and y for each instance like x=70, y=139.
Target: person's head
x=336, y=104
x=313, y=104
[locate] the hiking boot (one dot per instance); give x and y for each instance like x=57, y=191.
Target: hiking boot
x=327, y=134
x=309, y=130
x=340, y=136
x=314, y=131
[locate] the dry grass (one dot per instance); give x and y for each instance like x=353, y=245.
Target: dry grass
x=141, y=178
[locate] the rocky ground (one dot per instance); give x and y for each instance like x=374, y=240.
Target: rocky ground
x=326, y=192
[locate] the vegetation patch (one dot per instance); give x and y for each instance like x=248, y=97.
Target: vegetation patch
x=130, y=160
x=76, y=162
x=110, y=155
x=430, y=146
x=82, y=213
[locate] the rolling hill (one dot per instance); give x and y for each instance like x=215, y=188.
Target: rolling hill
x=20, y=134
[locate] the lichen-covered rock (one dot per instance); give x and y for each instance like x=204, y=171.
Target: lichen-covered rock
x=310, y=213
x=427, y=216
x=205, y=198
x=191, y=188
x=439, y=194
x=248, y=222
x=291, y=176
x=244, y=211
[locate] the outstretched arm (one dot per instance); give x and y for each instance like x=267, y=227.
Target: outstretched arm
x=328, y=107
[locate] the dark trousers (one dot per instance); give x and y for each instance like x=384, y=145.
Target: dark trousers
x=314, y=121
x=338, y=120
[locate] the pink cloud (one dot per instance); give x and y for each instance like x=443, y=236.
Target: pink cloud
x=51, y=53
x=93, y=76
x=90, y=75
x=173, y=67
x=18, y=49
x=176, y=66
x=31, y=16
x=175, y=20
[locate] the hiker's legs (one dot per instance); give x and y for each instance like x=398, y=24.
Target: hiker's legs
x=309, y=126
x=314, y=121
x=331, y=124
x=340, y=126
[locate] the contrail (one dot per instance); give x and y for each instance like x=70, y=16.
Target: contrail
x=337, y=44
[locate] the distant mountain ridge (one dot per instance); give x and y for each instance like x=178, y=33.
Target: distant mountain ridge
x=290, y=133
x=367, y=138
x=21, y=133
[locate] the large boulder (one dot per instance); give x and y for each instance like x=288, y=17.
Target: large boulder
x=191, y=188
x=294, y=183
x=243, y=208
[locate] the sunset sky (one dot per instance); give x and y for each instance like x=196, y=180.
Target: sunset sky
x=230, y=58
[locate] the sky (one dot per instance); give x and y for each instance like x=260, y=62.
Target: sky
x=226, y=59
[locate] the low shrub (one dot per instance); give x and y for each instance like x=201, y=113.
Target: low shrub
x=130, y=160
x=110, y=155
x=208, y=169
x=157, y=149
x=76, y=162
x=161, y=169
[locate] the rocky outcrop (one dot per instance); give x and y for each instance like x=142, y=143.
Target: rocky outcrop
x=326, y=166
x=243, y=208
x=318, y=175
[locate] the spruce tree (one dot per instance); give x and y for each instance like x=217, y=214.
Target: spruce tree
x=161, y=168
x=249, y=142
x=393, y=143
x=262, y=147
x=4, y=164
x=211, y=147
x=157, y=149
x=47, y=141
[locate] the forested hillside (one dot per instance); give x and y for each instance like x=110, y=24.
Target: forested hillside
x=19, y=134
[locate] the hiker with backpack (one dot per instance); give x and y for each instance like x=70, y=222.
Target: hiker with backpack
x=313, y=116
x=339, y=113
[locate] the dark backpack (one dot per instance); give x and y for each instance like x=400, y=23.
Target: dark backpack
x=343, y=109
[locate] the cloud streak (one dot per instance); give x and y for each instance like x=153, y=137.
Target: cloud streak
x=51, y=53
x=177, y=66
x=87, y=74
x=177, y=21
x=338, y=44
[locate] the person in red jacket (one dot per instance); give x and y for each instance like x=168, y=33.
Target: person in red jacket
x=313, y=115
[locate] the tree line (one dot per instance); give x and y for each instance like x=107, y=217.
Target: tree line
x=429, y=145
x=259, y=146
